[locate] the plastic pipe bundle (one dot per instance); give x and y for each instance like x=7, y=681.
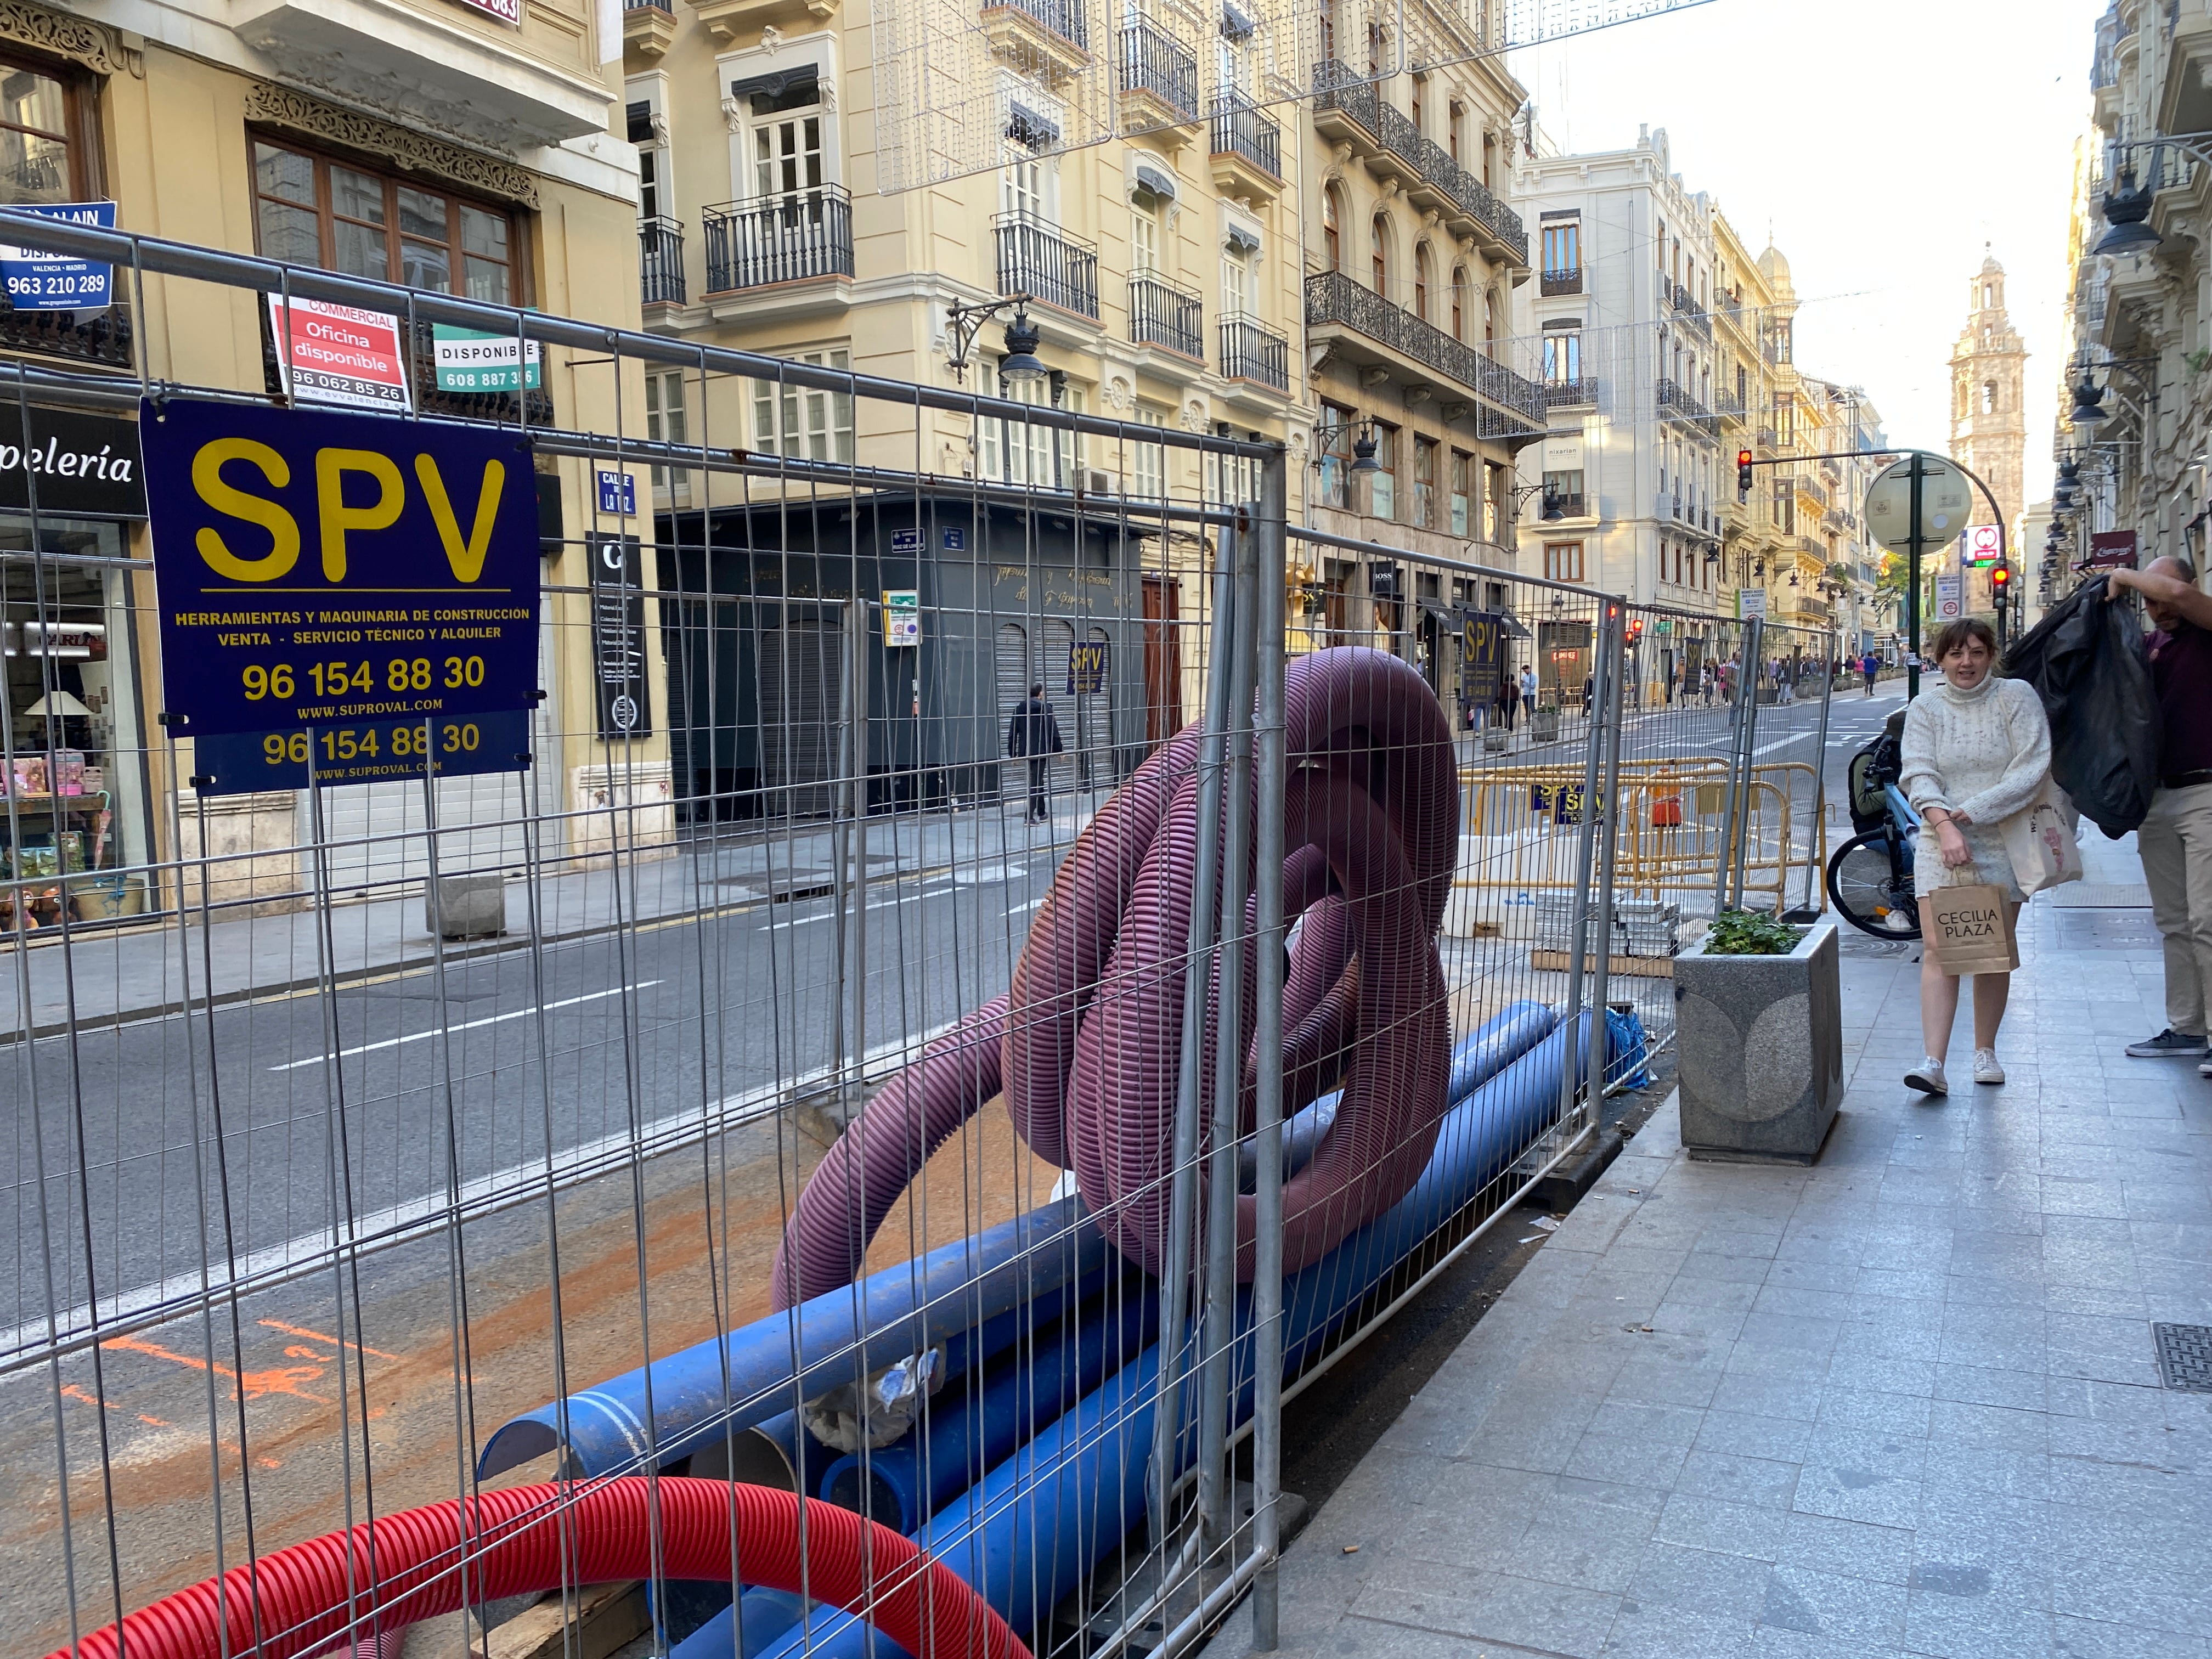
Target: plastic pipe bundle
x=1092, y=1025
x=970, y=1295
x=1027, y=1534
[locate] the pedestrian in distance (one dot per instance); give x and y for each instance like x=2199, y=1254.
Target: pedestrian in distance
x=2175, y=837
x=1869, y=665
x=1976, y=751
x=1034, y=734
x=1528, y=689
x=1509, y=700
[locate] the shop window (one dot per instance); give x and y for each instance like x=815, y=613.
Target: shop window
x=76, y=743
x=48, y=156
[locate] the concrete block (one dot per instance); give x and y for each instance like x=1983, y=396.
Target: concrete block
x=1762, y=1050
x=465, y=906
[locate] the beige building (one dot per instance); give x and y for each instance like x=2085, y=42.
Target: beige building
x=782, y=211
x=464, y=145
x=2141, y=312
x=1412, y=259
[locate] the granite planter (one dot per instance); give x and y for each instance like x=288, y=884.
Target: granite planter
x=1762, y=1046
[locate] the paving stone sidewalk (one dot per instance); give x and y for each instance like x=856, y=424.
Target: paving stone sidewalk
x=1906, y=1402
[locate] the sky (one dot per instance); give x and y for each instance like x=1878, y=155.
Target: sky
x=1886, y=143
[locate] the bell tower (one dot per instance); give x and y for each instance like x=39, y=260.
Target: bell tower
x=1988, y=421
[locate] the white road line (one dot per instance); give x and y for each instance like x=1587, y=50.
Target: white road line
x=1024, y=910
x=1780, y=742
x=466, y=1026
x=155, y=1302
x=892, y=903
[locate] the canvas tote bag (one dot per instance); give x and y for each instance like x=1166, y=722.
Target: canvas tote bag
x=2039, y=841
x=1973, y=931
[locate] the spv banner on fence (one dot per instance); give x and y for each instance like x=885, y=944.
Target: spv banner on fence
x=371, y=583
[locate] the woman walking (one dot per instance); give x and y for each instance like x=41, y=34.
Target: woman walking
x=1976, y=749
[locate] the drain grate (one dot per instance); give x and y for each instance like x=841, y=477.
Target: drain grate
x=2184, y=1357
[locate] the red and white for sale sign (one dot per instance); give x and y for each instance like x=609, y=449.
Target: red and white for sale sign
x=334, y=354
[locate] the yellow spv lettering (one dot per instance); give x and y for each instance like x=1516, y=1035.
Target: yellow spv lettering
x=234, y=503
x=332, y=466
x=467, y=559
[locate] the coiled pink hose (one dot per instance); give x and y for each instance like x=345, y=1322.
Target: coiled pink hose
x=392, y=1573
x=1092, y=1024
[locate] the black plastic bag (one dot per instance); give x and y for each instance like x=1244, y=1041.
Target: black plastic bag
x=2086, y=661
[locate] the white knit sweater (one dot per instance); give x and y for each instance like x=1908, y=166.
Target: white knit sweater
x=1984, y=753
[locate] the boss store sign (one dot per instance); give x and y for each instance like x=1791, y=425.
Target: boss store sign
x=82, y=466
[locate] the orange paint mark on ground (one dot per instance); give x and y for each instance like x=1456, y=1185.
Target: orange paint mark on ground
x=251, y=1385
x=317, y=1336
x=70, y=1391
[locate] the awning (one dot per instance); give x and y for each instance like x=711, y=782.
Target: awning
x=1151, y=178
x=1024, y=126
x=1514, y=630
x=1242, y=240
x=1440, y=611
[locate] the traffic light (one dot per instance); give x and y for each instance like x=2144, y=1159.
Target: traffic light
x=2000, y=582
x=1743, y=475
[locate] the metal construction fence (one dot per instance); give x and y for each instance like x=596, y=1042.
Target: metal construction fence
x=960, y=999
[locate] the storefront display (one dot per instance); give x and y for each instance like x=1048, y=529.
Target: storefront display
x=73, y=802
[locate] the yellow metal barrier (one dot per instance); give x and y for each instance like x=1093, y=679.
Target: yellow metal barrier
x=1672, y=832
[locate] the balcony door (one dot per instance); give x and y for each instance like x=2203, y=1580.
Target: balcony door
x=1029, y=185
x=785, y=144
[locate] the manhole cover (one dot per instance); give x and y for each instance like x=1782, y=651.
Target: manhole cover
x=2105, y=930
x=2184, y=1357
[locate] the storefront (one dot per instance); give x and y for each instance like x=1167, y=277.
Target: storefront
x=78, y=823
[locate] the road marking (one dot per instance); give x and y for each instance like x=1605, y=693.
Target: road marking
x=1782, y=743
x=891, y=903
x=251, y=1385
x=317, y=1336
x=161, y=1300
x=1024, y=910
x=465, y=1025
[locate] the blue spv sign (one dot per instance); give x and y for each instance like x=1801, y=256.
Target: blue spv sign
x=326, y=571
x=36, y=280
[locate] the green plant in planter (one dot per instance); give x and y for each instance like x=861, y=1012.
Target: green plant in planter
x=1746, y=934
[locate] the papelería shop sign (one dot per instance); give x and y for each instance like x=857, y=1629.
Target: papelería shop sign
x=77, y=465
x=346, y=597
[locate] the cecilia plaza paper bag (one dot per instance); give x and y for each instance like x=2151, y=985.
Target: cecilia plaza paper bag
x=1974, y=934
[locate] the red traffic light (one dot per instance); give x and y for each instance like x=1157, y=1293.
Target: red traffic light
x=1743, y=474
x=1743, y=457
x=2001, y=577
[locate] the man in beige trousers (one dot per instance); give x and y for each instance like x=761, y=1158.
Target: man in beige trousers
x=2175, y=839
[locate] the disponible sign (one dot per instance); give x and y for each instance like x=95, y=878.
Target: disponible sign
x=80, y=466
x=38, y=281
x=332, y=354
x=467, y=361
x=319, y=570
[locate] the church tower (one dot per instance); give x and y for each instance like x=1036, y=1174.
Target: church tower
x=1988, y=421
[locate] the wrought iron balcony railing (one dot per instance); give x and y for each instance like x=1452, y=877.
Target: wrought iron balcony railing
x=1562, y=281
x=779, y=238
x=1676, y=403
x=1163, y=313
x=1240, y=129
x=1576, y=391
x=1250, y=350
x=1044, y=261
x=660, y=260
x=1064, y=18
x=1153, y=61
x=1334, y=297
x=1335, y=87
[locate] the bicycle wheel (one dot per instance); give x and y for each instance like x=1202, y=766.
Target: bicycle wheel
x=1870, y=881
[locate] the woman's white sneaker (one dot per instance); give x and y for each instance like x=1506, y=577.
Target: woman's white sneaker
x=1986, y=1069
x=1927, y=1077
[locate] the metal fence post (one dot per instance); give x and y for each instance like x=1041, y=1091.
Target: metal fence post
x=1272, y=762
x=1214, y=1482
x=1613, y=651
x=1602, y=673
x=1813, y=831
x=857, y=974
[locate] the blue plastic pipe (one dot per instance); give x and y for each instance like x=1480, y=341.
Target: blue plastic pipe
x=905, y=1483
x=1026, y=1534
x=965, y=1295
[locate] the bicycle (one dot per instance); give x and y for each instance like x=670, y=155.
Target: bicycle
x=1870, y=877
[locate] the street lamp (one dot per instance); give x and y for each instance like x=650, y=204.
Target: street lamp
x=2125, y=211
x=1363, y=451
x=2089, y=411
x=1020, y=366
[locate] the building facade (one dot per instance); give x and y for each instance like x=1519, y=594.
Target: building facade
x=427, y=142
x=2140, y=315
x=1413, y=260
x=1161, y=269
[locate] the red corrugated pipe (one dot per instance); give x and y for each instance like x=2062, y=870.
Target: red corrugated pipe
x=350, y=1588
